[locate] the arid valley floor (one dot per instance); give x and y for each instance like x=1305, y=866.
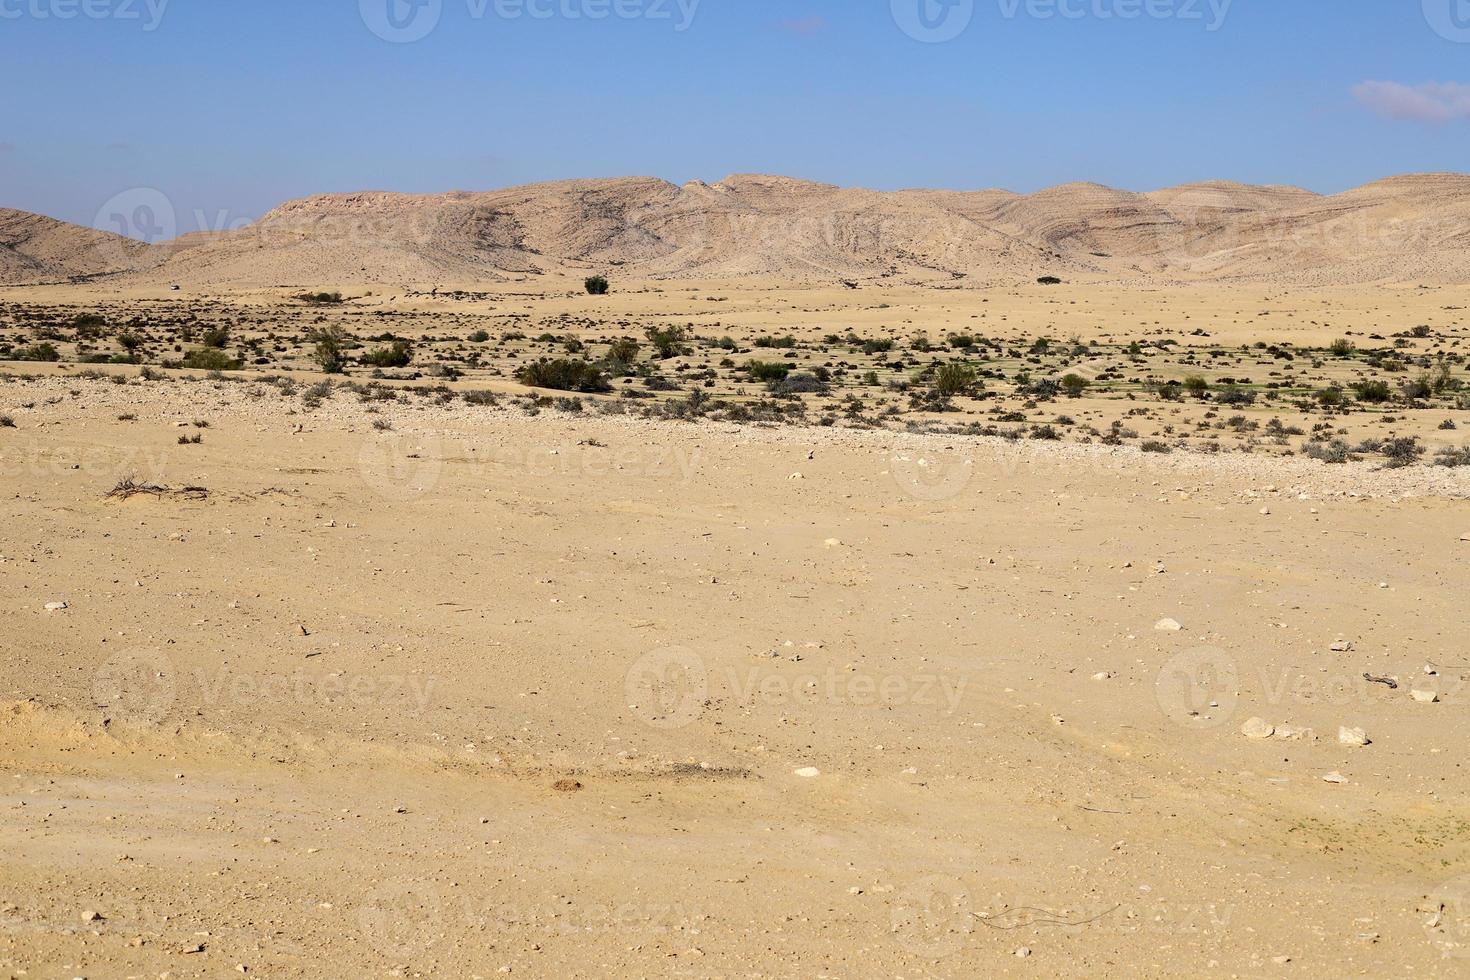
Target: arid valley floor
x=419, y=671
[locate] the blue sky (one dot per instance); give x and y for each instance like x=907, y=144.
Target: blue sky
x=228, y=108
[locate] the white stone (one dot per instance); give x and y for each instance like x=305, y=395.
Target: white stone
x=810, y=772
x=1424, y=697
x=1352, y=736
x=1168, y=626
x=1257, y=728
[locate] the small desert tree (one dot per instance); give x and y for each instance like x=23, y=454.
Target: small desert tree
x=328, y=351
x=668, y=341
x=596, y=285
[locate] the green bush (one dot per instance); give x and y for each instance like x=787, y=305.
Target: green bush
x=327, y=353
x=38, y=352
x=767, y=371
x=1372, y=391
x=953, y=379
x=668, y=341
x=1075, y=384
x=215, y=337
x=596, y=285
x=395, y=355
x=320, y=299
x=1343, y=348
x=210, y=359
x=563, y=374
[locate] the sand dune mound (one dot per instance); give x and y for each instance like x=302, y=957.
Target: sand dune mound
x=1408, y=228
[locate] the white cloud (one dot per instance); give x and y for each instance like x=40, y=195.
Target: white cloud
x=1432, y=102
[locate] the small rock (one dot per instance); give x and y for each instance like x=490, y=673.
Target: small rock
x=810, y=772
x=91, y=916
x=1334, y=777
x=55, y=606
x=1424, y=697
x=1342, y=646
x=1291, y=733
x=1103, y=675
x=1168, y=626
x=1352, y=736
x=1023, y=952
x=1257, y=728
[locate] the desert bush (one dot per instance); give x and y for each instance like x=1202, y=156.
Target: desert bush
x=1450, y=456
x=329, y=344
x=38, y=352
x=320, y=299
x=1231, y=395
x=1417, y=388
x=1196, y=385
x=396, y=355
x=1330, y=397
x=215, y=337
x=479, y=336
x=1402, y=451
x=209, y=359
x=6, y=422
x=1155, y=446
x=480, y=397
x=1374, y=392
x=1075, y=384
x=780, y=343
x=953, y=379
x=1343, y=348
x=767, y=370
x=1335, y=451
x=798, y=384
x=563, y=374
x=667, y=341
x=596, y=285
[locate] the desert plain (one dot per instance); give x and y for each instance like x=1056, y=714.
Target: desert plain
x=1112, y=626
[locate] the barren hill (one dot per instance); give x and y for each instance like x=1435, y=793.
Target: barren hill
x=1401, y=229
x=34, y=248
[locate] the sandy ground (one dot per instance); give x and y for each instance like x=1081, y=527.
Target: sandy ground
x=573, y=696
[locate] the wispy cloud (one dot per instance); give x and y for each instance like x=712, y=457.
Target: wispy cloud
x=804, y=25
x=6, y=147
x=1432, y=102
